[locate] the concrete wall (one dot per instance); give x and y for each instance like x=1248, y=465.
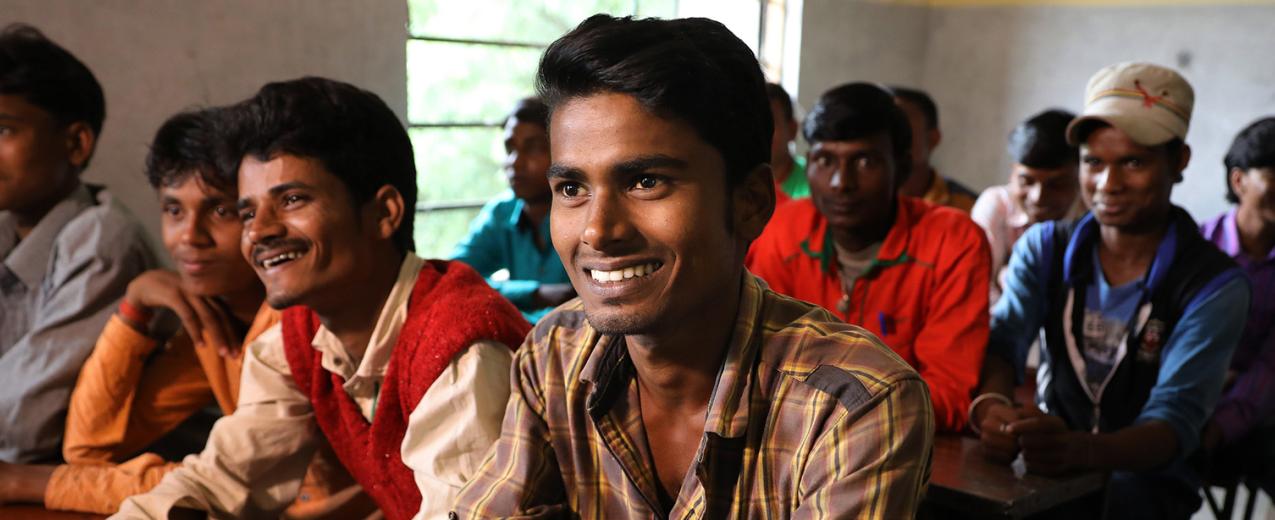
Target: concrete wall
x=156, y=57
x=990, y=66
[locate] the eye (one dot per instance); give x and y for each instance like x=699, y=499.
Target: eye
x=4, y=130
x=569, y=190
x=246, y=214
x=224, y=212
x=647, y=182
x=823, y=161
x=292, y=199
x=1092, y=161
x=172, y=210
x=1133, y=163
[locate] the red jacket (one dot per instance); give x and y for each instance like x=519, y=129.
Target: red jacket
x=450, y=308
x=925, y=295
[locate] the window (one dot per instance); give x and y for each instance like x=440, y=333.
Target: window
x=469, y=61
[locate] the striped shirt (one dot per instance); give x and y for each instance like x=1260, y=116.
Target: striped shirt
x=809, y=417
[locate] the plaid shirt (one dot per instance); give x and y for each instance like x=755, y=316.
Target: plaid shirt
x=809, y=418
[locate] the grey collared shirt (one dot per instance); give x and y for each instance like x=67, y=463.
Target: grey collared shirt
x=58, y=286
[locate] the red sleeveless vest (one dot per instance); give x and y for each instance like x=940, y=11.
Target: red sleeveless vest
x=450, y=308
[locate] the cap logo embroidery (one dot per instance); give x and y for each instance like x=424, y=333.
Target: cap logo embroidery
x=1148, y=100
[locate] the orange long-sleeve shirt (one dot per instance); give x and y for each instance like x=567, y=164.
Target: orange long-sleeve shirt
x=125, y=399
x=925, y=295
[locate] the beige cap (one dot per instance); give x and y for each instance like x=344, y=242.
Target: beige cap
x=1149, y=103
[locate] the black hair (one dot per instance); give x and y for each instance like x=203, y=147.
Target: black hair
x=1253, y=147
x=186, y=145
x=350, y=131
x=693, y=70
x=858, y=111
x=530, y=110
x=1041, y=141
x=922, y=101
x=777, y=93
x=49, y=77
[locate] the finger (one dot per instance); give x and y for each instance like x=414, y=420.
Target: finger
x=212, y=330
x=189, y=318
x=1042, y=442
x=1030, y=410
x=1002, y=448
x=1037, y=424
x=226, y=325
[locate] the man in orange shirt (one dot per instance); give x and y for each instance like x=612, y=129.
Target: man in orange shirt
x=912, y=273
x=144, y=379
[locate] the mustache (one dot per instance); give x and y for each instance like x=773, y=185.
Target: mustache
x=279, y=243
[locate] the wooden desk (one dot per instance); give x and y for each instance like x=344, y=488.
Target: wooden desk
x=963, y=481
x=30, y=512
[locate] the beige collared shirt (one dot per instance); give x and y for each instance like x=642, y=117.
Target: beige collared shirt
x=255, y=459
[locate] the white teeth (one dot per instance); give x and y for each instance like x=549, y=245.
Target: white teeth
x=625, y=273
x=276, y=260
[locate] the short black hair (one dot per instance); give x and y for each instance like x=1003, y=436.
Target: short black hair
x=49, y=77
x=858, y=111
x=1253, y=147
x=778, y=94
x=351, y=131
x=693, y=70
x=530, y=110
x=1041, y=141
x=922, y=101
x=186, y=145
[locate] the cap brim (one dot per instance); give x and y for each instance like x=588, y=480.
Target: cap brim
x=1143, y=130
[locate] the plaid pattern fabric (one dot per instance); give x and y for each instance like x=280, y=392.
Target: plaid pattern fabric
x=809, y=418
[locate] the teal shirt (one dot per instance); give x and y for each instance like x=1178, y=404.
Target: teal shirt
x=499, y=238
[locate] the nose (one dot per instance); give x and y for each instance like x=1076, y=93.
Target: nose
x=607, y=223
x=844, y=178
x=1109, y=180
x=264, y=226
x=193, y=232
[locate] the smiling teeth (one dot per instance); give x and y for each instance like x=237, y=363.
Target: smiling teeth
x=624, y=274
x=276, y=260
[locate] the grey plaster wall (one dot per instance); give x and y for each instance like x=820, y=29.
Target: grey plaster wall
x=156, y=57
x=989, y=67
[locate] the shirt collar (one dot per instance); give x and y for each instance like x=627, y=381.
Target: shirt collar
x=376, y=358
x=894, y=249
x=609, y=370
x=938, y=192
x=1076, y=267
x=29, y=259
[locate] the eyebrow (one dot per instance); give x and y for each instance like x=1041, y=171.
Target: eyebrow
x=274, y=191
x=629, y=167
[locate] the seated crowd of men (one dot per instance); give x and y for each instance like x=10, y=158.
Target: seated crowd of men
x=695, y=322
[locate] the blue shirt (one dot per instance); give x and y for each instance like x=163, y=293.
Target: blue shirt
x=1195, y=356
x=1108, y=311
x=501, y=238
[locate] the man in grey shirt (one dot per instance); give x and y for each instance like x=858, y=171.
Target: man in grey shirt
x=68, y=249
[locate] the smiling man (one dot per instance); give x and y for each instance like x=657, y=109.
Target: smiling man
x=399, y=364
x=1140, y=314
x=678, y=386
x=912, y=273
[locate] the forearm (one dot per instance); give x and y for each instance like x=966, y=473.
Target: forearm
x=96, y=488
x=1141, y=447
x=24, y=483
x=997, y=377
x=98, y=414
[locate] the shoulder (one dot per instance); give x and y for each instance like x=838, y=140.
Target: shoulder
x=1213, y=228
x=105, y=230
x=792, y=222
x=992, y=202
x=806, y=344
x=557, y=348
x=933, y=224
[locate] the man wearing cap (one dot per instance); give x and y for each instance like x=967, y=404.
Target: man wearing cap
x=1140, y=313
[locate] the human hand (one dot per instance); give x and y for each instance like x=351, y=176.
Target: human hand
x=994, y=418
x=204, y=319
x=553, y=294
x=1049, y=447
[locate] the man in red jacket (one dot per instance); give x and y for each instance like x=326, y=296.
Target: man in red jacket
x=400, y=364
x=914, y=274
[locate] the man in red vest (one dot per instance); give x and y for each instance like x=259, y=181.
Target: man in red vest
x=400, y=364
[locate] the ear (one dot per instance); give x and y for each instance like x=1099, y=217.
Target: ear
x=1183, y=161
x=80, y=141
x=1236, y=178
x=753, y=202
x=386, y=211
x=935, y=137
